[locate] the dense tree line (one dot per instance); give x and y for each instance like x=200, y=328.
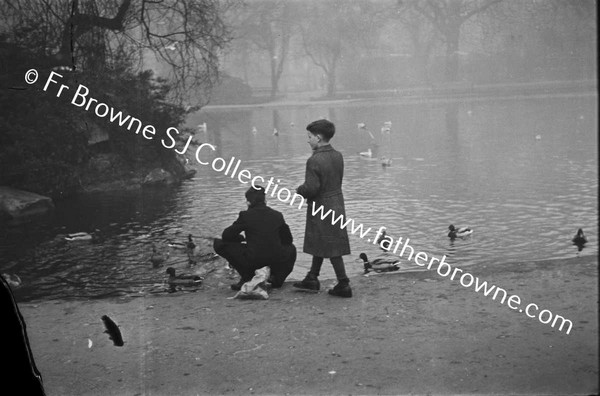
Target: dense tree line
x=375, y=44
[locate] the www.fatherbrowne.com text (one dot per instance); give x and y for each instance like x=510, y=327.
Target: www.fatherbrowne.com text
x=82, y=98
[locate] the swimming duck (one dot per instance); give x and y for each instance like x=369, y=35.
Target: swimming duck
x=387, y=127
x=367, y=153
x=12, y=279
x=275, y=132
x=79, y=236
x=380, y=239
x=361, y=125
x=180, y=280
x=538, y=137
x=189, y=245
x=386, y=161
x=157, y=258
x=193, y=252
x=459, y=232
x=254, y=130
x=380, y=264
x=579, y=239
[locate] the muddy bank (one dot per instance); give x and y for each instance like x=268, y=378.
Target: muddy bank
x=400, y=334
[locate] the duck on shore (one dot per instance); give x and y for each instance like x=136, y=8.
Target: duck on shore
x=459, y=232
x=379, y=264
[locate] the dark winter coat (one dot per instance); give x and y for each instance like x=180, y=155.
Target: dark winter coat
x=266, y=232
x=323, y=186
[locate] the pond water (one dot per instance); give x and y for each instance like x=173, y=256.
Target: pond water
x=523, y=173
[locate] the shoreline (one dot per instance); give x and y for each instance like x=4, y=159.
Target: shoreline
x=404, y=333
x=419, y=95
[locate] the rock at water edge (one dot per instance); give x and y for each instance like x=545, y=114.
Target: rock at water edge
x=18, y=203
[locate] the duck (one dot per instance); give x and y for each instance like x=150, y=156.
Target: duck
x=386, y=161
x=579, y=239
x=380, y=264
x=363, y=126
x=367, y=153
x=459, y=232
x=202, y=127
x=254, y=130
x=193, y=252
x=538, y=137
x=79, y=236
x=180, y=280
x=275, y=132
x=13, y=280
x=380, y=239
x=189, y=245
x=157, y=258
x=387, y=127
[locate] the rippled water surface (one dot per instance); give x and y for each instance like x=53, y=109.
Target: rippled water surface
x=475, y=163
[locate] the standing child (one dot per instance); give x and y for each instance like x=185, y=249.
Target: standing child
x=323, y=186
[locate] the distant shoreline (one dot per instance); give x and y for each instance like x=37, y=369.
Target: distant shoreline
x=439, y=94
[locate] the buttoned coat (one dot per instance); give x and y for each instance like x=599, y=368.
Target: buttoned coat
x=323, y=187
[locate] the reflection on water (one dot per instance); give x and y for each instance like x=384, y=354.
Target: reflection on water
x=473, y=163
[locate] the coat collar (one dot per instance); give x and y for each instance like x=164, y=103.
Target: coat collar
x=258, y=205
x=324, y=148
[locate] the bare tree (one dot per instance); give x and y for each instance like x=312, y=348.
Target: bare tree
x=447, y=16
x=532, y=40
x=268, y=26
x=186, y=35
x=332, y=28
x=422, y=36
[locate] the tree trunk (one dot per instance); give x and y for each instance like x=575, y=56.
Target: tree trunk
x=331, y=87
x=274, y=78
x=452, y=40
